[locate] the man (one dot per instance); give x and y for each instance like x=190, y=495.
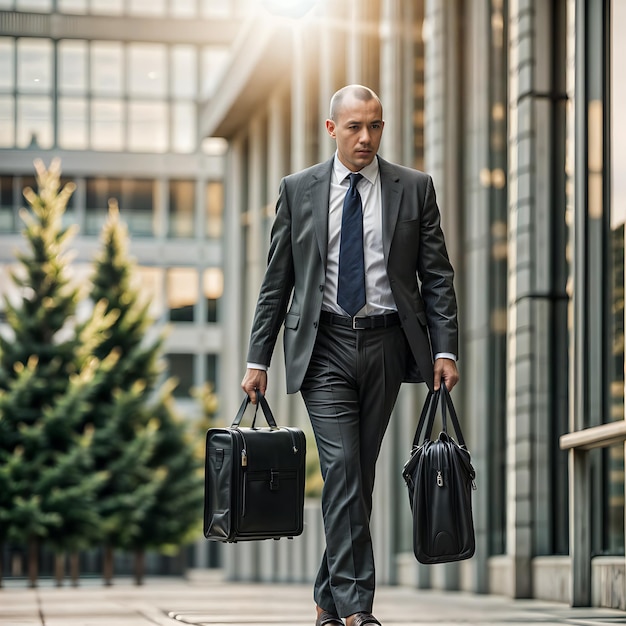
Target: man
x=350, y=239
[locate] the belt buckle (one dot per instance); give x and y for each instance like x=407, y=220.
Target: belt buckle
x=354, y=319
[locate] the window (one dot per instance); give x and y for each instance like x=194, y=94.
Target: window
x=7, y=79
x=212, y=371
x=182, y=293
x=7, y=214
x=147, y=126
x=7, y=121
x=213, y=286
x=107, y=7
x=147, y=75
x=137, y=206
x=185, y=127
x=72, y=130
x=6, y=191
x=7, y=85
x=107, y=68
x=40, y=6
x=107, y=125
x=183, y=8
x=214, y=208
x=72, y=67
x=135, y=198
x=184, y=64
x=34, y=122
x=182, y=200
x=72, y=6
x=153, y=8
x=213, y=63
x=34, y=65
x=98, y=192
x=184, y=60
x=181, y=366
x=216, y=8
x=34, y=84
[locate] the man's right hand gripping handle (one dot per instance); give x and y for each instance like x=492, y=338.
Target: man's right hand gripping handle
x=253, y=380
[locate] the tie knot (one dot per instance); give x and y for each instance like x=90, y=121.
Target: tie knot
x=354, y=179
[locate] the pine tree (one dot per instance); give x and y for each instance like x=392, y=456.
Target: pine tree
x=152, y=498
x=176, y=512
x=47, y=377
x=124, y=447
x=125, y=433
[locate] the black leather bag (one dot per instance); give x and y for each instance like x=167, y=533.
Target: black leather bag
x=254, y=480
x=440, y=478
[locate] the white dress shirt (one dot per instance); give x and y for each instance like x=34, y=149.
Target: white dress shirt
x=379, y=299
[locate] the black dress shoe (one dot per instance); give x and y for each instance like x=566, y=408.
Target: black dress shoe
x=328, y=619
x=361, y=619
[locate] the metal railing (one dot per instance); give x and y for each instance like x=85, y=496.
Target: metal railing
x=578, y=444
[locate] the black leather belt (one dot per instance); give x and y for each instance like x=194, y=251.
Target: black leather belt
x=360, y=323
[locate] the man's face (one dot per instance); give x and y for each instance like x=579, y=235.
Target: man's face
x=357, y=129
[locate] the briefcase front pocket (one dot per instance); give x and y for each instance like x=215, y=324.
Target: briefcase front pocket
x=268, y=498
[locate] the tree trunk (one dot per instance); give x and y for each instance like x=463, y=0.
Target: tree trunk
x=107, y=565
x=16, y=565
x=74, y=568
x=59, y=568
x=140, y=566
x=33, y=561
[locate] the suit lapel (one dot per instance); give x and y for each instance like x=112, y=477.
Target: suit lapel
x=319, y=191
x=391, y=195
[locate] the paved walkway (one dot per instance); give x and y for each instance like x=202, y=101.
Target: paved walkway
x=173, y=602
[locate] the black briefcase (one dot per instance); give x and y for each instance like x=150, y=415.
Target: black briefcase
x=440, y=478
x=254, y=480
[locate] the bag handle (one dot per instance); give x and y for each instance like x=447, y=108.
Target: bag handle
x=447, y=400
x=430, y=410
x=260, y=400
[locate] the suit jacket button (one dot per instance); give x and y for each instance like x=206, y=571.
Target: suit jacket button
x=321, y=287
x=314, y=324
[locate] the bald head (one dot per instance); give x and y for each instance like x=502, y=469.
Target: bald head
x=359, y=92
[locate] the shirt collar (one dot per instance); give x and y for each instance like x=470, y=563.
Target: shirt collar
x=369, y=172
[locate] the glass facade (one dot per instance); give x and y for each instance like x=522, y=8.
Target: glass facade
x=112, y=96
x=184, y=9
x=137, y=200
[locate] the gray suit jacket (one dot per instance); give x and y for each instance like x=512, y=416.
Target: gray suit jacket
x=414, y=247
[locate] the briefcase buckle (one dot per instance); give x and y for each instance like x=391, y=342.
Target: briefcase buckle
x=274, y=480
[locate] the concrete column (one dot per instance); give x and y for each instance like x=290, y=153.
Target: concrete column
x=532, y=292
x=256, y=245
x=299, y=95
x=161, y=208
x=391, y=75
x=354, y=57
x=235, y=324
x=200, y=216
x=441, y=153
x=332, y=41
x=233, y=321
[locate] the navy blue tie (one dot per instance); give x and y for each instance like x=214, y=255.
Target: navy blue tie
x=351, y=284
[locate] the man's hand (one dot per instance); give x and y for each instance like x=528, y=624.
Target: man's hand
x=445, y=369
x=253, y=380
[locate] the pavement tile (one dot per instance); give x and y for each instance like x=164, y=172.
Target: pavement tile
x=175, y=602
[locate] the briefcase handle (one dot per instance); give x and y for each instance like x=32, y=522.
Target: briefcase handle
x=429, y=412
x=260, y=400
